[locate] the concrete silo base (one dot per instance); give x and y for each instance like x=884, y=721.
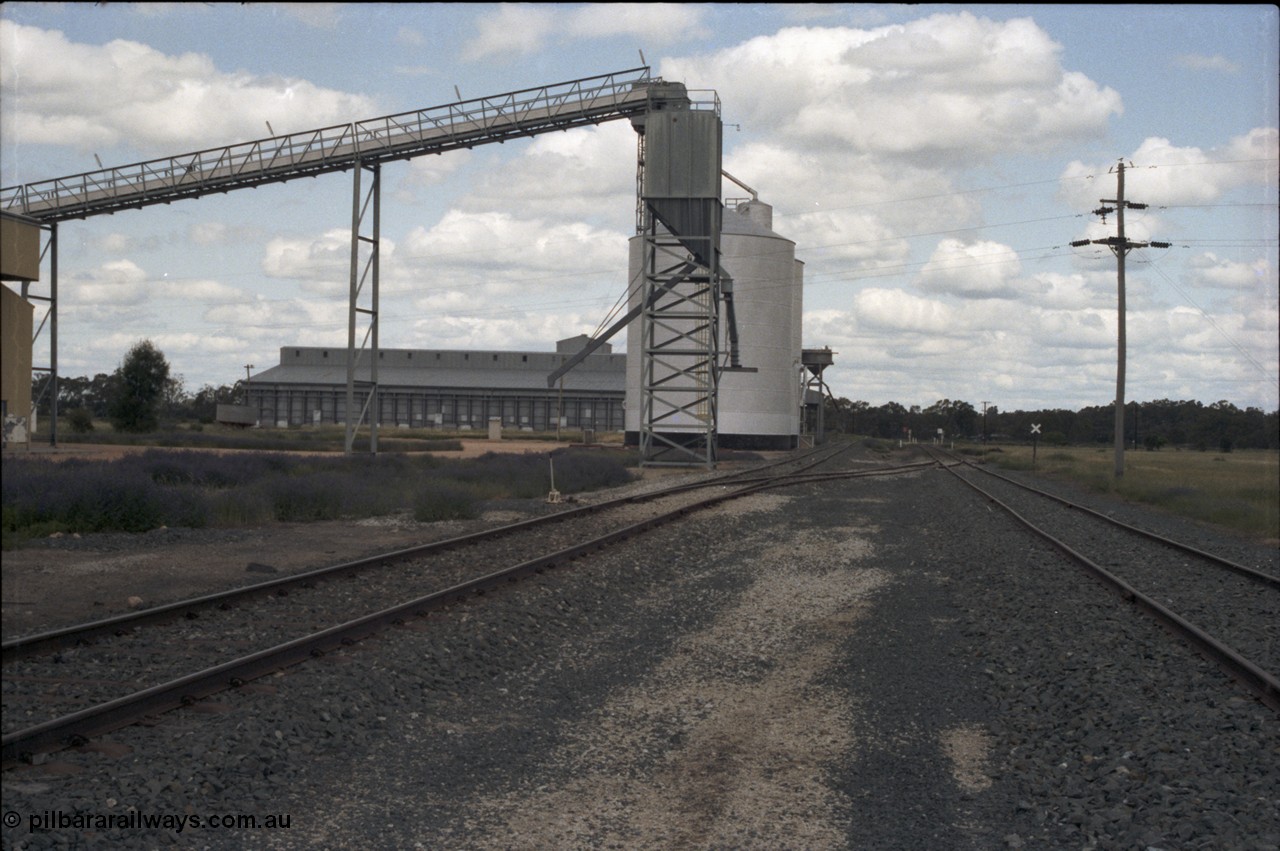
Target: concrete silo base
x=752, y=442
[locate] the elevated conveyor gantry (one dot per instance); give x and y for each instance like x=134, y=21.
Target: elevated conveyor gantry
x=434, y=130
x=360, y=146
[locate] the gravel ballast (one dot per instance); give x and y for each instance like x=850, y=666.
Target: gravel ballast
x=879, y=663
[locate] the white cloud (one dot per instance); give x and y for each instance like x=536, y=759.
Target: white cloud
x=59, y=92
x=499, y=254
x=1086, y=330
x=657, y=23
x=466, y=263
x=1066, y=292
x=213, y=232
x=325, y=16
x=587, y=173
x=410, y=37
x=322, y=263
x=195, y=291
x=469, y=332
x=889, y=337
x=115, y=243
x=1262, y=317
x=516, y=29
x=201, y=345
x=975, y=270
x=959, y=51
x=950, y=88
x=1209, y=270
x=1196, y=62
x=845, y=236
x=895, y=310
x=208, y=233
x=835, y=202
x=431, y=171
x=1163, y=173
x=116, y=283
x=120, y=293
x=282, y=320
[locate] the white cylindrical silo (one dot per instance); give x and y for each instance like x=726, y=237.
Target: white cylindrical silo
x=758, y=409
x=635, y=279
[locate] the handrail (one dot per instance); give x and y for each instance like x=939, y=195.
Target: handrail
x=339, y=147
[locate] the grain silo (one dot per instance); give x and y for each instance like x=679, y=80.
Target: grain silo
x=759, y=406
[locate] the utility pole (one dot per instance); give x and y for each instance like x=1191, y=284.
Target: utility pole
x=1120, y=246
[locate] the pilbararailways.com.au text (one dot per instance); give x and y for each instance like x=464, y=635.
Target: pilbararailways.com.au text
x=59, y=820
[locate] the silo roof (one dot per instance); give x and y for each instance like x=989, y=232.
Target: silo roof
x=739, y=224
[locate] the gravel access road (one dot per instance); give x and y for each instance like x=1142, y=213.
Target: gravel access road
x=879, y=663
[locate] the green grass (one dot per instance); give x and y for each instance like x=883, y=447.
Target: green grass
x=1236, y=490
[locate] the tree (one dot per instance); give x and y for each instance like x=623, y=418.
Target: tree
x=99, y=392
x=858, y=416
x=140, y=388
x=953, y=417
x=204, y=405
x=80, y=420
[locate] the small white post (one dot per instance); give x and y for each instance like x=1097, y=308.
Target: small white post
x=554, y=495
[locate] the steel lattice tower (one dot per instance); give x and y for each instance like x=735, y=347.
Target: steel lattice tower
x=679, y=218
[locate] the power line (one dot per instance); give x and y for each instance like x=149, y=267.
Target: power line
x=935, y=196
x=1216, y=326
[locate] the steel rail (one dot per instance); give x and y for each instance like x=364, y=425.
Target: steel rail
x=79, y=727
x=1242, y=569
x=818, y=478
x=1263, y=685
x=27, y=645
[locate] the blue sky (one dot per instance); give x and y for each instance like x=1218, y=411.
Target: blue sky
x=932, y=163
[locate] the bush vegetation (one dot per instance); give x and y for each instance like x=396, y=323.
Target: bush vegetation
x=198, y=435
x=161, y=487
x=140, y=385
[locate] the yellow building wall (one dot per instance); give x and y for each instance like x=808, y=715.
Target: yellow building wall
x=19, y=250
x=15, y=363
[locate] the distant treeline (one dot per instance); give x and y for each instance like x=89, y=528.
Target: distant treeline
x=1188, y=424
x=94, y=395
x=1219, y=426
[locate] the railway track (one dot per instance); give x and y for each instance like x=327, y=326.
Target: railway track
x=65, y=687
x=119, y=625
x=1228, y=611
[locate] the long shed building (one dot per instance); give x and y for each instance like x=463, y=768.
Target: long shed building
x=457, y=389
x=448, y=389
